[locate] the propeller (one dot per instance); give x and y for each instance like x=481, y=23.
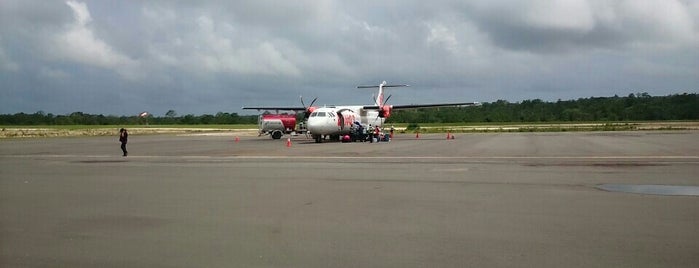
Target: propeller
x=384, y=112
x=386, y=100
x=307, y=109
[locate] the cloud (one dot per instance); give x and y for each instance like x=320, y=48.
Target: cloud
x=216, y=47
x=657, y=22
x=78, y=43
x=562, y=26
x=80, y=12
x=53, y=73
x=218, y=53
x=441, y=36
x=213, y=55
x=558, y=15
x=6, y=63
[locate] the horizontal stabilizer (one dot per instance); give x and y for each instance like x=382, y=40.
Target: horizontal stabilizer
x=383, y=86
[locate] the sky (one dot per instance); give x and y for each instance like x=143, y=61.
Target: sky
x=203, y=57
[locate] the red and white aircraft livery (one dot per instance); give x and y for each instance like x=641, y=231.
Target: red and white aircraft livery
x=335, y=121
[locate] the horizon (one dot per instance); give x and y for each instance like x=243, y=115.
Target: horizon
x=258, y=113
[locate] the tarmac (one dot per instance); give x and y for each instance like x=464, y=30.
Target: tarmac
x=478, y=200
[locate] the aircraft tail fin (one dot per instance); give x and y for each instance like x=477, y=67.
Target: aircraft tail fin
x=379, y=97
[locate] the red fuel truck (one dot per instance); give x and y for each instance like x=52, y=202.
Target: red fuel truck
x=277, y=125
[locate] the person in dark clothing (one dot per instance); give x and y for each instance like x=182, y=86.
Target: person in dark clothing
x=123, y=138
x=377, y=133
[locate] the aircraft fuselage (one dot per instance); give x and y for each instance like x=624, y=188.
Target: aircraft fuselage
x=338, y=120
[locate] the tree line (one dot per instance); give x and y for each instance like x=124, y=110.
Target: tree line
x=79, y=118
x=634, y=107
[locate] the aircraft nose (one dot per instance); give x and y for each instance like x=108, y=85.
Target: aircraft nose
x=313, y=125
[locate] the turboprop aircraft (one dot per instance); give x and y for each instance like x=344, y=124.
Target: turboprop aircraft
x=334, y=121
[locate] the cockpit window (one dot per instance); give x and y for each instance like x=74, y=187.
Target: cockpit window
x=314, y=114
x=321, y=114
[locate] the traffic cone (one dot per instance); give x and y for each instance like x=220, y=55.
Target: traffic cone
x=448, y=135
x=417, y=134
x=288, y=142
x=237, y=139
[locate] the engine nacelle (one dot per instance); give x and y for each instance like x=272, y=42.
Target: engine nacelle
x=309, y=111
x=385, y=112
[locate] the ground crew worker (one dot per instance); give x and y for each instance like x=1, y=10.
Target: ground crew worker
x=377, y=133
x=123, y=138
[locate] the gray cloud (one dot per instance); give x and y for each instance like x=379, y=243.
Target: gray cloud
x=562, y=26
x=116, y=57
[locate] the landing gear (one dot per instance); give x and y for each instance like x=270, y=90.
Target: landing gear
x=318, y=138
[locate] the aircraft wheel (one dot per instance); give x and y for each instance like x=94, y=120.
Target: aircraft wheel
x=318, y=138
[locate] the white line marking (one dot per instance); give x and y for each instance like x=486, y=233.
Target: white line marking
x=638, y=157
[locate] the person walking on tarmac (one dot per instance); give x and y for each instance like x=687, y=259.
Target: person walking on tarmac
x=370, y=133
x=124, y=138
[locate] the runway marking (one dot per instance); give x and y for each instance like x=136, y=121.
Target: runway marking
x=473, y=157
x=687, y=190
x=628, y=157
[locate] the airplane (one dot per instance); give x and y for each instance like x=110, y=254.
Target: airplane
x=336, y=121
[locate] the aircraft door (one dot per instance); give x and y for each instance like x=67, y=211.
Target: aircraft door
x=346, y=118
x=340, y=120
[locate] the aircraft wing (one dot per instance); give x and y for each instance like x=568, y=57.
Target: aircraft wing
x=280, y=108
x=417, y=106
